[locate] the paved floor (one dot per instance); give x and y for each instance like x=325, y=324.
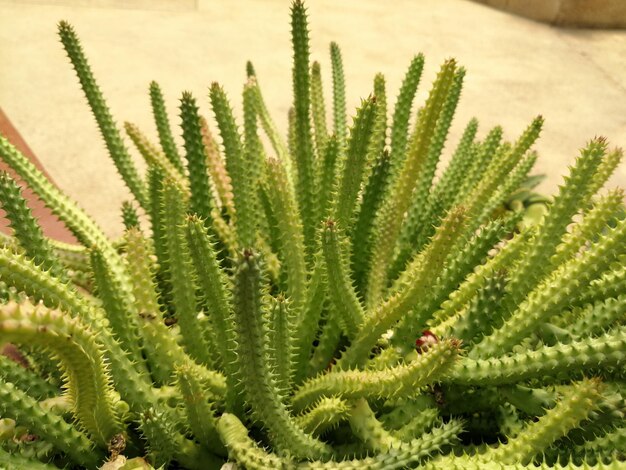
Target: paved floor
x=516, y=69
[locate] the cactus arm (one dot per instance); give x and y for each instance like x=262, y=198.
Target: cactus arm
x=546, y=361
x=156, y=176
x=373, y=194
x=389, y=221
x=26, y=229
x=606, y=169
x=327, y=343
x=378, y=140
x=611, y=284
x=307, y=330
x=324, y=415
x=347, y=306
x=481, y=155
x=369, y=429
x=268, y=124
x=445, y=190
x=26, y=380
x=531, y=268
x=272, y=262
x=214, y=285
x=318, y=109
x=11, y=460
x=21, y=272
x=376, y=154
x=512, y=182
x=291, y=248
x=481, y=315
x=291, y=138
x=130, y=218
x=504, y=160
x=153, y=155
x=249, y=174
x=200, y=410
x=419, y=424
x=596, y=318
x=24, y=275
x=81, y=225
x=303, y=148
x=232, y=143
x=469, y=462
x=163, y=127
x=405, y=455
x=415, y=216
x=165, y=444
x=400, y=381
x=573, y=408
x=200, y=201
x=272, y=232
x=340, y=126
x=52, y=428
x=162, y=346
x=109, y=131
x=328, y=174
x=353, y=166
x=282, y=320
x=96, y=403
x=217, y=169
x=604, y=448
x=73, y=256
x=405, y=409
x=225, y=234
x=244, y=450
x=119, y=303
x=150, y=319
x=553, y=294
x=532, y=401
x=160, y=449
x=426, y=266
x=402, y=113
x=258, y=381
x=603, y=211
x=461, y=259
x=182, y=276
x=384, y=357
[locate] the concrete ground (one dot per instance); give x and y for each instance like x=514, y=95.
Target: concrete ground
x=516, y=69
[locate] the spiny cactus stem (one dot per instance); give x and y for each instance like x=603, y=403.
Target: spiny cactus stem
x=259, y=382
x=109, y=131
x=96, y=403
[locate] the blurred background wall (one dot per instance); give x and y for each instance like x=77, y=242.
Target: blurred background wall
x=579, y=13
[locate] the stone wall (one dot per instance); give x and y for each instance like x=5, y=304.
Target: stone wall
x=577, y=13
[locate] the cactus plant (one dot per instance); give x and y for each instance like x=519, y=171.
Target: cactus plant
x=329, y=301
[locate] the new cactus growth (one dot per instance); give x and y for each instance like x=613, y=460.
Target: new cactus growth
x=328, y=301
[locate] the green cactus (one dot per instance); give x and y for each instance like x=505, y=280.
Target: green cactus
x=332, y=301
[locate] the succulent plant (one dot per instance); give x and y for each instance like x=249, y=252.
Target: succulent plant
x=325, y=301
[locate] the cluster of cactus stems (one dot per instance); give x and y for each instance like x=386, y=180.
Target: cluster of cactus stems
x=336, y=299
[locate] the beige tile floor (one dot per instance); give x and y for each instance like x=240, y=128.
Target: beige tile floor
x=516, y=69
